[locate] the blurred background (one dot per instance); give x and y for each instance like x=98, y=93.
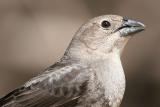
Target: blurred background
x=35, y=33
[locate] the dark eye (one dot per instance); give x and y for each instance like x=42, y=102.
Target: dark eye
x=105, y=24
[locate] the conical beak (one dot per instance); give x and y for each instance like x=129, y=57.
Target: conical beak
x=130, y=27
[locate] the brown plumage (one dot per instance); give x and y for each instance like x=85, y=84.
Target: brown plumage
x=90, y=73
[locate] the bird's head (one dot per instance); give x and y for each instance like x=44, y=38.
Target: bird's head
x=105, y=34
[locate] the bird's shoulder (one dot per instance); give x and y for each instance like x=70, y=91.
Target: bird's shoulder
x=60, y=73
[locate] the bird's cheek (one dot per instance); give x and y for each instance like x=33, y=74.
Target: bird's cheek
x=90, y=42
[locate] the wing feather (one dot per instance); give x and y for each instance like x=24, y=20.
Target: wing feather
x=55, y=87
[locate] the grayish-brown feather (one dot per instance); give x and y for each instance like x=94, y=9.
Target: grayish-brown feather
x=90, y=73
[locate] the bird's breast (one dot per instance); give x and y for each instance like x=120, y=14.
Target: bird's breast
x=109, y=74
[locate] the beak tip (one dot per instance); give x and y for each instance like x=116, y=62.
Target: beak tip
x=131, y=27
x=142, y=25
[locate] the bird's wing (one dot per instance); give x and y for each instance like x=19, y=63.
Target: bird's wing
x=57, y=87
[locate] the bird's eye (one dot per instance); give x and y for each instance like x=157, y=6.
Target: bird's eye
x=105, y=24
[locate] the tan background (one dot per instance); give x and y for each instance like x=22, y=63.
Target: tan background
x=35, y=33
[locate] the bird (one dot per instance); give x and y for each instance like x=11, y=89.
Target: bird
x=89, y=74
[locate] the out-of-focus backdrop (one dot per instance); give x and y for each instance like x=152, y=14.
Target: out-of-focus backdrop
x=35, y=33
